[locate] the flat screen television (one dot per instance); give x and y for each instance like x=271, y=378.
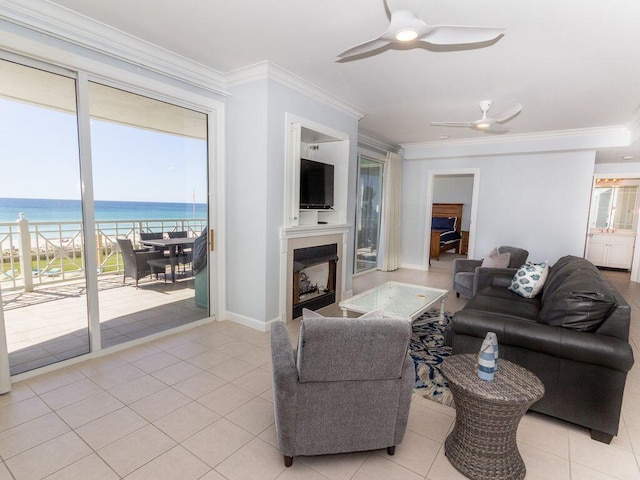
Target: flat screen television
x=316, y=185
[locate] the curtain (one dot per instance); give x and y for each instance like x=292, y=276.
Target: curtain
x=391, y=224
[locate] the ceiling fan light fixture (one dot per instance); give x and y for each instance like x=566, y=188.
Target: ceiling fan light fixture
x=406, y=35
x=483, y=125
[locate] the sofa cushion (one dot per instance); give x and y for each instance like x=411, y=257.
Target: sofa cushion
x=529, y=279
x=560, y=270
x=581, y=302
x=500, y=301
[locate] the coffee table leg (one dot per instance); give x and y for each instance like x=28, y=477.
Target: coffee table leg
x=344, y=313
x=442, y=311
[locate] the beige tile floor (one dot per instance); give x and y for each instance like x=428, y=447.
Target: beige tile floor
x=197, y=405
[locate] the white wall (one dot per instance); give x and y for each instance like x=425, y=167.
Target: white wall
x=247, y=174
x=455, y=189
x=256, y=191
x=535, y=201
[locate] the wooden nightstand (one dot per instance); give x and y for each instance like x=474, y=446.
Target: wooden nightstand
x=464, y=243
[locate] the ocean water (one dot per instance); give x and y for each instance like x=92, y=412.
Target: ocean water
x=49, y=210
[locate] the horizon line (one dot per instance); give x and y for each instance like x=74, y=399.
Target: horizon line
x=98, y=200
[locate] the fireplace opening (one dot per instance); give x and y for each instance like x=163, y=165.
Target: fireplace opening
x=314, y=277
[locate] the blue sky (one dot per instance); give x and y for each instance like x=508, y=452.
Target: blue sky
x=39, y=159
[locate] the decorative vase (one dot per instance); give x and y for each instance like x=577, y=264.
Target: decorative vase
x=486, y=361
x=493, y=338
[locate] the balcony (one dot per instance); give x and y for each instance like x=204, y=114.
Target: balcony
x=45, y=309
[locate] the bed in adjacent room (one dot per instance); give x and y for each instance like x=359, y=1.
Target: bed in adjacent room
x=446, y=223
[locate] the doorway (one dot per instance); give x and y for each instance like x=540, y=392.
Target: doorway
x=453, y=186
x=614, y=223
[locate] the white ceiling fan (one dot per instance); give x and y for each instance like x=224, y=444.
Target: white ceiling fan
x=406, y=27
x=487, y=124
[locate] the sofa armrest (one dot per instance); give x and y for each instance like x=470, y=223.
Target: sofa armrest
x=465, y=265
x=559, y=342
x=285, y=387
x=492, y=277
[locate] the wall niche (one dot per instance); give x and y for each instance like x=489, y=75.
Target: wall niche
x=315, y=142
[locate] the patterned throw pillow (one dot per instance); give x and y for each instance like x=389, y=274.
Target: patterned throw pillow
x=529, y=279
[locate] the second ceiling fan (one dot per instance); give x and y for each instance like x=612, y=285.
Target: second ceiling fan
x=489, y=124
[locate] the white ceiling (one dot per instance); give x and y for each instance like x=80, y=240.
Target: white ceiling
x=570, y=63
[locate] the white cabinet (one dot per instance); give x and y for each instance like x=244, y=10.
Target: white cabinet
x=611, y=250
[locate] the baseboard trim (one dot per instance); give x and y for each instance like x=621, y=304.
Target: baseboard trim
x=247, y=321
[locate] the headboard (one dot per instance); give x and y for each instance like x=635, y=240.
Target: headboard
x=448, y=210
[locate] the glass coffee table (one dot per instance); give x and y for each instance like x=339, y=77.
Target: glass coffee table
x=397, y=300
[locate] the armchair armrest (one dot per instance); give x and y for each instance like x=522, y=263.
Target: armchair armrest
x=492, y=277
x=285, y=386
x=465, y=265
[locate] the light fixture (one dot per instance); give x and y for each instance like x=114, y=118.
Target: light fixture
x=483, y=125
x=628, y=157
x=607, y=181
x=406, y=35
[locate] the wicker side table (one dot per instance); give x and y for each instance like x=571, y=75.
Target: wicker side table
x=482, y=444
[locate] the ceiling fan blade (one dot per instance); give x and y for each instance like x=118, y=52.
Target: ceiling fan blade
x=494, y=128
x=365, y=47
x=457, y=34
x=507, y=114
x=452, y=124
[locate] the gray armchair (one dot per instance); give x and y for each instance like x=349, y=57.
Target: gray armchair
x=347, y=388
x=466, y=272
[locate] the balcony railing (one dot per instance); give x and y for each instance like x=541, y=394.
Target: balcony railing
x=37, y=253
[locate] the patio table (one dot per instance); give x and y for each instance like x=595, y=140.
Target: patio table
x=173, y=245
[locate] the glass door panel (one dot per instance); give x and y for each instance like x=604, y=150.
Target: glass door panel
x=368, y=212
x=150, y=188
x=41, y=226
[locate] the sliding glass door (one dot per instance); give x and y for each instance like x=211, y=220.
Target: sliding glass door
x=104, y=214
x=41, y=224
x=369, y=208
x=150, y=185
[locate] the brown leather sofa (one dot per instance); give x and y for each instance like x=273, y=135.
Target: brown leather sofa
x=573, y=336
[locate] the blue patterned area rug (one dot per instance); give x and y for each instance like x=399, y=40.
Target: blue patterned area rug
x=428, y=351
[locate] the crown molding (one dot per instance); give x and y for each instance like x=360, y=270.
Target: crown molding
x=268, y=70
x=69, y=26
x=634, y=126
x=371, y=141
x=539, y=142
